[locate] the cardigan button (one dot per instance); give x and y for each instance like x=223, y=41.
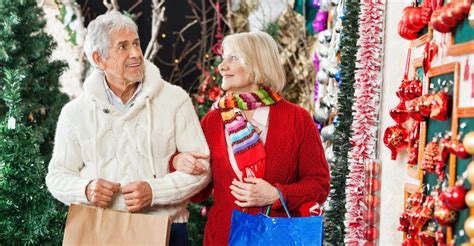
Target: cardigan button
x=106, y=111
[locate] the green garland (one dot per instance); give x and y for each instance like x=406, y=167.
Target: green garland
x=334, y=217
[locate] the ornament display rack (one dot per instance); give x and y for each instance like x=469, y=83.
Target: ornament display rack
x=430, y=128
x=462, y=39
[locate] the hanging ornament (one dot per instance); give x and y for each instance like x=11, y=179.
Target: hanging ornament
x=328, y=132
x=372, y=168
x=372, y=185
x=410, y=242
x=316, y=3
x=371, y=217
x=395, y=138
x=443, y=214
x=454, y=197
x=372, y=201
x=322, y=114
x=468, y=142
x=399, y=114
x=320, y=22
x=214, y=93
x=469, y=199
x=371, y=233
x=469, y=226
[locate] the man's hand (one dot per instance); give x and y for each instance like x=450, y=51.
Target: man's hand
x=100, y=192
x=137, y=195
x=255, y=192
x=187, y=162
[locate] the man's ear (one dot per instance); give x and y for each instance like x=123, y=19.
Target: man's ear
x=98, y=60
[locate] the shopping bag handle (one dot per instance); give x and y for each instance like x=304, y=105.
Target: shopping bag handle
x=283, y=203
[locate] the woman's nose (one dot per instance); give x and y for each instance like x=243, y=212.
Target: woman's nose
x=222, y=67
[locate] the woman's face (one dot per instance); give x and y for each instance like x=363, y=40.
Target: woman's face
x=234, y=76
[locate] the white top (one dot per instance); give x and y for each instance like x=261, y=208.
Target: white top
x=260, y=122
x=93, y=139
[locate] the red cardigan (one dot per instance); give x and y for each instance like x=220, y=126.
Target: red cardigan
x=295, y=163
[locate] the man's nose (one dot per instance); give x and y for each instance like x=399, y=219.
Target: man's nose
x=135, y=52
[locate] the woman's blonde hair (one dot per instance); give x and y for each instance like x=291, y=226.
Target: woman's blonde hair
x=258, y=53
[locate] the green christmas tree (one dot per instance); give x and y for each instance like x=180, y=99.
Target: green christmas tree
x=28, y=213
x=25, y=46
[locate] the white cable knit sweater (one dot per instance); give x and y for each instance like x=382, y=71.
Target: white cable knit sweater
x=91, y=131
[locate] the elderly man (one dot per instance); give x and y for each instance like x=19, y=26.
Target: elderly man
x=113, y=142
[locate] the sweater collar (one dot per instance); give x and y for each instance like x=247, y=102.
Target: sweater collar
x=152, y=84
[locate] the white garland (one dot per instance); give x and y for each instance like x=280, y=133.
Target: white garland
x=366, y=106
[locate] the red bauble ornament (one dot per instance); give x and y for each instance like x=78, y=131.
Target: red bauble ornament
x=200, y=99
x=443, y=214
x=461, y=152
x=371, y=233
x=372, y=201
x=427, y=238
x=371, y=217
x=372, y=168
x=395, y=138
x=410, y=242
x=454, y=197
x=372, y=184
x=204, y=211
x=415, y=89
x=214, y=93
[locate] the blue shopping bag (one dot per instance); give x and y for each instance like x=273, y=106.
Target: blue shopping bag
x=247, y=229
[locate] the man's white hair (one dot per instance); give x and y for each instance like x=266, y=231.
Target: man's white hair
x=98, y=33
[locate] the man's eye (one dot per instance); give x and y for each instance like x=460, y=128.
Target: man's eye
x=234, y=58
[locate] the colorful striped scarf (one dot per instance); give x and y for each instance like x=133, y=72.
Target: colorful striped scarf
x=247, y=146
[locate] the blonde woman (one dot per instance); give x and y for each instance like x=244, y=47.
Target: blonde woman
x=258, y=141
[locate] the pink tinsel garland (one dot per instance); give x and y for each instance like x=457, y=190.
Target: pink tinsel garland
x=365, y=111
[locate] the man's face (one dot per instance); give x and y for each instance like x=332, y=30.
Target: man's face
x=124, y=63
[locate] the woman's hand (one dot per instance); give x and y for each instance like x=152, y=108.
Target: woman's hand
x=254, y=193
x=188, y=162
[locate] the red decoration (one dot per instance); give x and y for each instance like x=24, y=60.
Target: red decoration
x=372, y=168
x=443, y=214
x=371, y=217
x=204, y=211
x=371, y=233
x=372, y=184
x=214, y=93
x=439, y=106
x=454, y=197
x=410, y=242
x=444, y=19
x=372, y=201
x=427, y=238
x=399, y=113
x=395, y=138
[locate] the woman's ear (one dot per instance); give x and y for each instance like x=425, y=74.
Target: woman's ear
x=98, y=60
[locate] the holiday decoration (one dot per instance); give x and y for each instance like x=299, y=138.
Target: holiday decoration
x=468, y=142
x=334, y=226
x=444, y=19
x=414, y=19
x=30, y=84
x=454, y=197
